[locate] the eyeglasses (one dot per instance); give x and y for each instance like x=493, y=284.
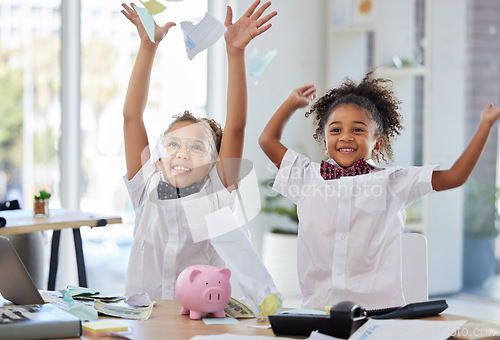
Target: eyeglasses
x=195, y=146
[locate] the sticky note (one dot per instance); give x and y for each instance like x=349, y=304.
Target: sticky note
x=257, y=64
x=220, y=321
x=270, y=305
x=153, y=6
x=103, y=326
x=147, y=21
x=202, y=35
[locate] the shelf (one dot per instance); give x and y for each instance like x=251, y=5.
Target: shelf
x=389, y=72
x=354, y=28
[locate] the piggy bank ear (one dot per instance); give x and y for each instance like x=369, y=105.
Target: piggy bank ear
x=225, y=272
x=194, y=274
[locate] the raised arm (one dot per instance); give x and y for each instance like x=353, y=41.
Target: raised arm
x=270, y=137
x=136, y=140
x=238, y=35
x=461, y=170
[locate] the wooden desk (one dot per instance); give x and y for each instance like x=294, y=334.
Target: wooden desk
x=21, y=221
x=166, y=322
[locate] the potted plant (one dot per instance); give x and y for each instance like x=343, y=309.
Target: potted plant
x=279, y=246
x=480, y=232
x=41, y=204
x=277, y=204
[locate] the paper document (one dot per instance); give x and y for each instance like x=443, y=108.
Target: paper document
x=201, y=36
x=406, y=330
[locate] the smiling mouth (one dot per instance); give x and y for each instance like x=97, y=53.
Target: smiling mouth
x=347, y=150
x=178, y=169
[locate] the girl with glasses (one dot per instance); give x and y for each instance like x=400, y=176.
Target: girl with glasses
x=194, y=161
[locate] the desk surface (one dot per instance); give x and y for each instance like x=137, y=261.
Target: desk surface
x=21, y=221
x=166, y=322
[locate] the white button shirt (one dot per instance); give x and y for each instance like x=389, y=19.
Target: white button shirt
x=349, y=243
x=163, y=245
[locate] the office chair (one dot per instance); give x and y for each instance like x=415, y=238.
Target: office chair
x=414, y=263
x=9, y=205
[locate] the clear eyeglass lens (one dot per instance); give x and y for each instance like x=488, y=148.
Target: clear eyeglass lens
x=196, y=147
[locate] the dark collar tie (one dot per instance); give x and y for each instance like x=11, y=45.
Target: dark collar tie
x=331, y=171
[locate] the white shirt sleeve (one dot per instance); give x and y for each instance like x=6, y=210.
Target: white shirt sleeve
x=413, y=183
x=295, y=172
x=138, y=185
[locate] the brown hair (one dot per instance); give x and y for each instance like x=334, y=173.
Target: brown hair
x=187, y=116
x=376, y=97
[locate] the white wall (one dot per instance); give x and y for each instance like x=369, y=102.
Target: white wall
x=298, y=34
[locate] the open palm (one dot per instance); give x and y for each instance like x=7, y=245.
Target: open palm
x=160, y=31
x=250, y=25
x=490, y=114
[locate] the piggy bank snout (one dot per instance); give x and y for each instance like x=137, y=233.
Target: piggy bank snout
x=213, y=295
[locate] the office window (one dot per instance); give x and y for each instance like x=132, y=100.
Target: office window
x=29, y=100
x=109, y=45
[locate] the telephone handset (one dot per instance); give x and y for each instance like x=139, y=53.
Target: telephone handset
x=410, y=311
x=346, y=317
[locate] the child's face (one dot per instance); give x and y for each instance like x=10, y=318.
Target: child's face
x=350, y=134
x=190, y=151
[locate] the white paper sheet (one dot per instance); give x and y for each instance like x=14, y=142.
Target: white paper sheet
x=201, y=36
x=406, y=330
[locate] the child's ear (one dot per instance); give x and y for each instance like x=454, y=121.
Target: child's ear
x=158, y=165
x=377, y=146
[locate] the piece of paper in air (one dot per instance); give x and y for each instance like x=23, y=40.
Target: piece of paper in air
x=147, y=21
x=257, y=64
x=201, y=36
x=153, y=6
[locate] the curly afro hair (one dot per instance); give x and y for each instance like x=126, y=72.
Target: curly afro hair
x=187, y=116
x=372, y=94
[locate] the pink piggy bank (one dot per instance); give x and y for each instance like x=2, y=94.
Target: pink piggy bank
x=203, y=289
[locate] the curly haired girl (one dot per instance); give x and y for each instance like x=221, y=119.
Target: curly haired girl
x=351, y=212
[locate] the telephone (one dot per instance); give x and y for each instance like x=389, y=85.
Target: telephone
x=346, y=317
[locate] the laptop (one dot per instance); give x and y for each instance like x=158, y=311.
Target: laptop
x=16, y=284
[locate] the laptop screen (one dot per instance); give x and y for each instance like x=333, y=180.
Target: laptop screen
x=15, y=282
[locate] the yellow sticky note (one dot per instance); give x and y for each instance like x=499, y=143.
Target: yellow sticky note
x=270, y=305
x=153, y=6
x=103, y=326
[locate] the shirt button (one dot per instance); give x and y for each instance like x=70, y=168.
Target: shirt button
x=170, y=252
x=341, y=236
x=345, y=198
x=339, y=273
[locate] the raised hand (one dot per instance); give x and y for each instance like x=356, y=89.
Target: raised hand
x=302, y=96
x=160, y=31
x=250, y=25
x=490, y=115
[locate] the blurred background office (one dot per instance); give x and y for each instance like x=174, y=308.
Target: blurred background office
x=64, y=69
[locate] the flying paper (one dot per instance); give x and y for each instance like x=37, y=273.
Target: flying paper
x=257, y=64
x=201, y=36
x=153, y=6
x=147, y=21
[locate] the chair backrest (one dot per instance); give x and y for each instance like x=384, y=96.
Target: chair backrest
x=414, y=263
x=9, y=205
